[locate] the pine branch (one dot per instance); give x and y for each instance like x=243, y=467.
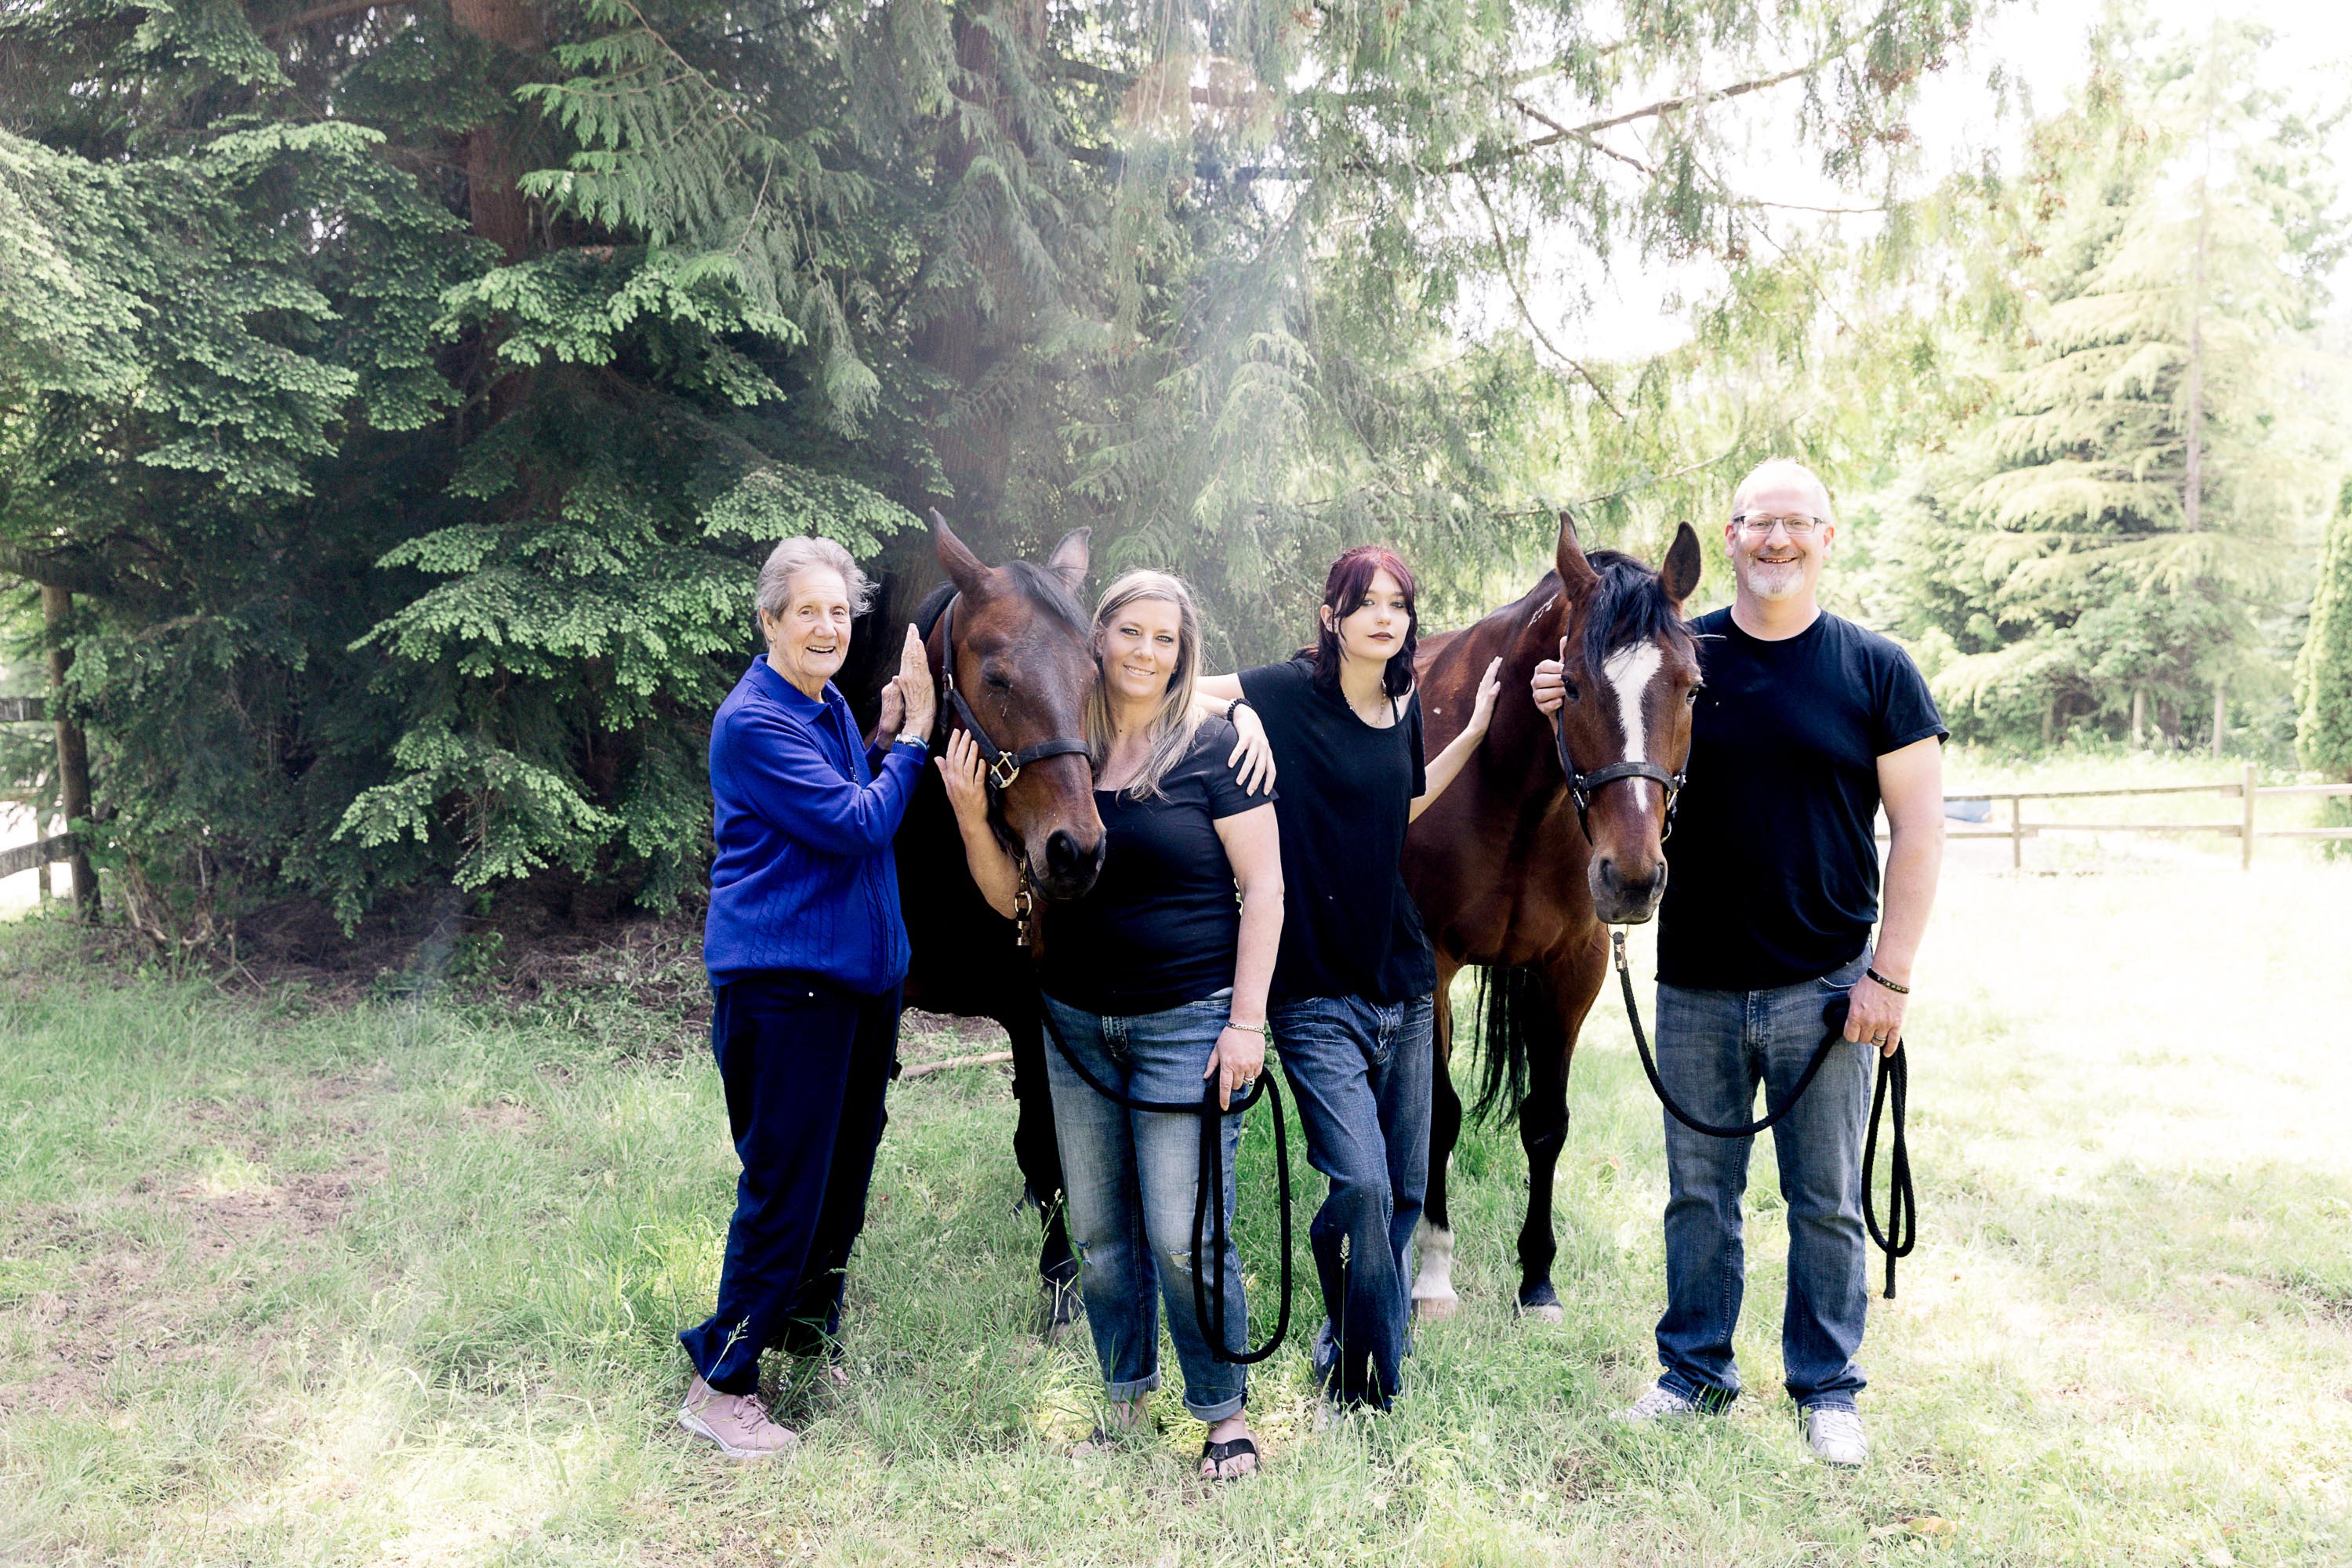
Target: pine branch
x=334, y=11
x=1663, y=107
x=1510, y=276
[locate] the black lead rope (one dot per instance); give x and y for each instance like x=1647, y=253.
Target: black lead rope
x=1212, y=1183
x=1901, y=1231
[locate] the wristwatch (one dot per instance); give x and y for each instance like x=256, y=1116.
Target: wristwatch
x=915, y=741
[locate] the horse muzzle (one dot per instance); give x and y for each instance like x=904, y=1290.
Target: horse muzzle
x=1070, y=868
x=1620, y=897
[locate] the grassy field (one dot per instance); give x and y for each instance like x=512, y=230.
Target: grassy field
x=281, y=1283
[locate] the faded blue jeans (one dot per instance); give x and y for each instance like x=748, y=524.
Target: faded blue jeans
x=1132, y=1177
x=1361, y=1073
x=1714, y=1047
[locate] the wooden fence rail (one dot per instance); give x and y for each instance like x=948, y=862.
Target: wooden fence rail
x=2247, y=791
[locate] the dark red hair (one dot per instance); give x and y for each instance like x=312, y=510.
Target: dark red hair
x=1343, y=594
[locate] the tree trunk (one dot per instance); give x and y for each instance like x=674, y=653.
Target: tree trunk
x=2139, y=718
x=2221, y=713
x=2048, y=723
x=2193, y=484
x=500, y=211
x=73, y=750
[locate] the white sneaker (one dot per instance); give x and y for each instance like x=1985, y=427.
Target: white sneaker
x=737, y=1422
x=1659, y=1403
x=1836, y=1436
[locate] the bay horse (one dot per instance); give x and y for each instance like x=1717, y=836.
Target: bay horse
x=1516, y=871
x=1022, y=657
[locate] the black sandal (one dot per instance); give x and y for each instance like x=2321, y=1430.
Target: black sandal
x=1217, y=1454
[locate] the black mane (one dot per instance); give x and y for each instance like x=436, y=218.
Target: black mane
x=1629, y=606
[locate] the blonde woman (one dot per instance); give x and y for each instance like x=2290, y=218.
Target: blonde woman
x=1156, y=981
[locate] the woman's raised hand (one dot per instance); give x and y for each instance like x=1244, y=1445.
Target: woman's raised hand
x=1482, y=710
x=1252, y=758
x=966, y=778
x=915, y=688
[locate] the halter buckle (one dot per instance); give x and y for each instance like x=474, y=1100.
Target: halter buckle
x=1003, y=771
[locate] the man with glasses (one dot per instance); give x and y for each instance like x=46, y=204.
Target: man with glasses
x=1806, y=723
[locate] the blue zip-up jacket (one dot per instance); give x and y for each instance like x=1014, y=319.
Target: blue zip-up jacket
x=804, y=880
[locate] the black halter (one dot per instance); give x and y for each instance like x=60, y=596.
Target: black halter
x=1582, y=787
x=1004, y=766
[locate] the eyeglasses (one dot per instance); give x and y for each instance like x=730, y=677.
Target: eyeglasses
x=1797, y=523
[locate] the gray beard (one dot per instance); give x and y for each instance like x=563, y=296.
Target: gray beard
x=1773, y=584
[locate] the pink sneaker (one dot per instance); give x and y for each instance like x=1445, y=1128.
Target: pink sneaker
x=737, y=1422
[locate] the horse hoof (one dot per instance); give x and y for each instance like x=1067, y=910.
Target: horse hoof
x=1436, y=1309
x=1542, y=1303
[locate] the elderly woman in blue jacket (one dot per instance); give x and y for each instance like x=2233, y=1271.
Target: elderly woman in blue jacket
x=806, y=952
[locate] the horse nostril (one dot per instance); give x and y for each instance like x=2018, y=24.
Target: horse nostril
x=1062, y=852
x=1608, y=871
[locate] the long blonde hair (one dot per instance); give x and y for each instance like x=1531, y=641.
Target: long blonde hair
x=1173, y=725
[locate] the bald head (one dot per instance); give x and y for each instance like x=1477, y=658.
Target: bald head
x=1781, y=485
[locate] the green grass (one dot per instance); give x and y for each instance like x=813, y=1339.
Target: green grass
x=285, y=1284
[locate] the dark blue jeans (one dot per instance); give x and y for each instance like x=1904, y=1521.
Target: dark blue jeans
x=1714, y=1048
x=805, y=1068
x=1361, y=1073
x=1132, y=1177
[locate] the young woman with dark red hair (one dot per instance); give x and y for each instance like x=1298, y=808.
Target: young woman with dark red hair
x=1351, y=1004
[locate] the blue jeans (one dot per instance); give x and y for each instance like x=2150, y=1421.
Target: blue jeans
x=1132, y=1178
x=1361, y=1073
x=1714, y=1047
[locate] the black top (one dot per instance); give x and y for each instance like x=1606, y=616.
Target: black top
x=1348, y=927
x=1775, y=870
x=1163, y=923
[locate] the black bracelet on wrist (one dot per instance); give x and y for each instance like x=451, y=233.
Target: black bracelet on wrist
x=1236, y=706
x=1881, y=979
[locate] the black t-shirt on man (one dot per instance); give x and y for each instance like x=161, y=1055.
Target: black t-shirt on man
x=1774, y=866
x=1349, y=926
x=1162, y=924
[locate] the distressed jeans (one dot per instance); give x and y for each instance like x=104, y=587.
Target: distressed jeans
x=1361, y=1073
x=1714, y=1048
x=1132, y=1177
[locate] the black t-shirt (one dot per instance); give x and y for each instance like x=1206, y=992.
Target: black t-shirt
x=1163, y=923
x=1774, y=870
x=1348, y=927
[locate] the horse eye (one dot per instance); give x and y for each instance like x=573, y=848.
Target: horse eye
x=995, y=681
x=1570, y=686
x=1690, y=698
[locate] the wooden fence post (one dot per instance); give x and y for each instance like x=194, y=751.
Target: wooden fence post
x=73, y=750
x=2016, y=834
x=2246, y=822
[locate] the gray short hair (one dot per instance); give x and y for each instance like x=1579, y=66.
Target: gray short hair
x=791, y=557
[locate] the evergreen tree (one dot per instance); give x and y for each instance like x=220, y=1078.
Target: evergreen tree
x=2108, y=544
x=2323, y=732
x=406, y=389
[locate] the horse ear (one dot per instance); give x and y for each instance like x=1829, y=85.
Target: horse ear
x=1070, y=558
x=1576, y=577
x=967, y=571
x=1684, y=561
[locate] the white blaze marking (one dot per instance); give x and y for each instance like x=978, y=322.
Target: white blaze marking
x=1629, y=672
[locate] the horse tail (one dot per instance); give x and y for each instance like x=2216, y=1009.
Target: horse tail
x=1506, y=995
